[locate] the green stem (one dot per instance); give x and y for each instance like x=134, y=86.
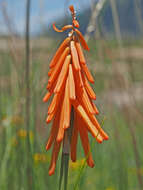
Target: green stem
x=66, y=153
x=27, y=109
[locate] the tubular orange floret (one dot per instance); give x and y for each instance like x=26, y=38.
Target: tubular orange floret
x=74, y=138
x=51, y=115
x=88, y=88
x=80, y=79
x=87, y=120
x=56, y=29
x=67, y=106
x=85, y=142
x=71, y=8
x=75, y=23
x=60, y=134
x=47, y=96
x=79, y=51
x=82, y=40
x=77, y=78
x=63, y=74
x=57, y=68
x=74, y=54
x=59, y=51
x=84, y=100
x=97, y=125
x=87, y=73
x=95, y=108
x=55, y=153
x=53, y=104
x=49, y=118
x=53, y=132
x=50, y=72
x=71, y=84
x=63, y=28
x=66, y=27
x=50, y=87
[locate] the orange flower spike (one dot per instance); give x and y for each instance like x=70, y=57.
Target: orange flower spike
x=54, y=130
x=69, y=76
x=80, y=52
x=55, y=153
x=74, y=54
x=82, y=40
x=71, y=84
x=58, y=66
x=87, y=120
x=85, y=142
x=63, y=74
x=59, y=51
x=74, y=138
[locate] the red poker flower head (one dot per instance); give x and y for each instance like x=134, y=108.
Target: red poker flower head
x=68, y=83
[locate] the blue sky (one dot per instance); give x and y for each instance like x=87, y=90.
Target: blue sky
x=43, y=12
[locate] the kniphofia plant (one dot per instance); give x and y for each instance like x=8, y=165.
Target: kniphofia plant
x=72, y=109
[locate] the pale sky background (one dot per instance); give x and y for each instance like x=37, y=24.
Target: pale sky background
x=43, y=12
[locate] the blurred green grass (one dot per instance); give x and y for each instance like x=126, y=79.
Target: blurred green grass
x=115, y=166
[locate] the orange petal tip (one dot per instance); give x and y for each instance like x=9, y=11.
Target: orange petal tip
x=94, y=98
x=106, y=138
x=59, y=139
x=43, y=99
x=51, y=172
x=97, y=112
x=48, y=86
x=72, y=98
x=99, y=141
x=91, y=164
x=76, y=24
x=56, y=29
x=47, y=148
x=71, y=8
x=48, y=120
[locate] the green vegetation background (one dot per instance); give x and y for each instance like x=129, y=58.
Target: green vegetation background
x=115, y=160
